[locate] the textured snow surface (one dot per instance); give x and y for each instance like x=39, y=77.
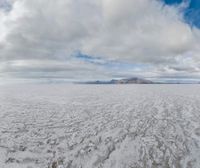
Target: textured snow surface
x=100, y=126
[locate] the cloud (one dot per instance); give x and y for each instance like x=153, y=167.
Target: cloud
x=141, y=31
x=40, y=38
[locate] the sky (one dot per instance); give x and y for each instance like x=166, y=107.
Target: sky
x=79, y=40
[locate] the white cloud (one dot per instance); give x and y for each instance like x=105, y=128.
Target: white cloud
x=140, y=30
x=42, y=35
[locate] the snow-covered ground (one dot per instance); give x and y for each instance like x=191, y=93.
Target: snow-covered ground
x=99, y=126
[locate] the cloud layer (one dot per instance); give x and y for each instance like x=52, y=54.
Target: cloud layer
x=40, y=38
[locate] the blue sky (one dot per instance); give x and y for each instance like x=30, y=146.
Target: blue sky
x=105, y=39
x=192, y=12
x=125, y=69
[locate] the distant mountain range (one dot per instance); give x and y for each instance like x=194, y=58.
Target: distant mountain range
x=136, y=80
x=123, y=81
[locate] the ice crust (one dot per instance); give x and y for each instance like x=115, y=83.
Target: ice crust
x=99, y=126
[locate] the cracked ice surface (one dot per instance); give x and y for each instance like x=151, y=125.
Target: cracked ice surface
x=100, y=126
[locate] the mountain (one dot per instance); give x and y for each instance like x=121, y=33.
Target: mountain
x=123, y=81
x=132, y=81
